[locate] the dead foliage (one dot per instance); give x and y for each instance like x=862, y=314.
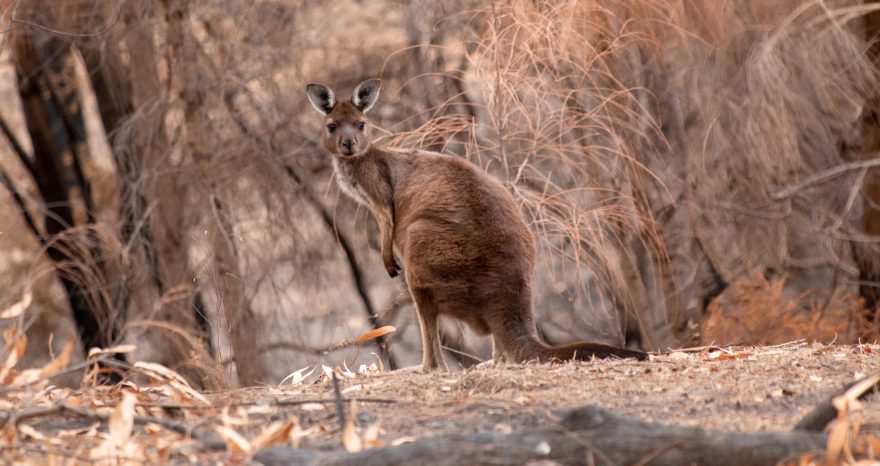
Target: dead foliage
x=756, y=310
x=153, y=415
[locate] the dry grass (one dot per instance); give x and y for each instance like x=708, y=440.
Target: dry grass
x=759, y=311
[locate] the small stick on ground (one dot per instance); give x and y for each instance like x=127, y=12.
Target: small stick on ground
x=340, y=403
x=273, y=402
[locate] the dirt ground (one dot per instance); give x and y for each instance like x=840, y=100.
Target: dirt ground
x=737, y=389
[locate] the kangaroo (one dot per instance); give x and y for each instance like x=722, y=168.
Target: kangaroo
x=463, y=241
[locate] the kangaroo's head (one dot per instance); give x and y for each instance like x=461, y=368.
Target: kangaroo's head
x=346, y=130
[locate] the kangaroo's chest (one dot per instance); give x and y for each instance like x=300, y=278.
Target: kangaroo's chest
x=348, y=182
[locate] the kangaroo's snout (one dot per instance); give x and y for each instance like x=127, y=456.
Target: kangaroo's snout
x=348, y=146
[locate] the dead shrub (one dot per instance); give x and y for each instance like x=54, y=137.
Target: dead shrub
x=756, y=310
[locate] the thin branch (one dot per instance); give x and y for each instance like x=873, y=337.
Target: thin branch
x=339, y=402
x=826, y=176
x=272, y=402
x=348, y=342
x=59, y=32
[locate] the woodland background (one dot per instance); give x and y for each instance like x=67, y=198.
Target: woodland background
x=695, y=171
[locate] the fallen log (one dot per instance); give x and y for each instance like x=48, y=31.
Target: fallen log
x=825, y=412
x=588, y=435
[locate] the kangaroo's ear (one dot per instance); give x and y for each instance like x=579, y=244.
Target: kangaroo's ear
x=366, y=94
x=321, y=97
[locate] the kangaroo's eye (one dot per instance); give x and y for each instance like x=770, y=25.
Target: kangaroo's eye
x=331, y=127
x=360, y=125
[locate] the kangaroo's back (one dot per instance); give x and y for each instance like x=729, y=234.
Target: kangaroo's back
x=464, y=219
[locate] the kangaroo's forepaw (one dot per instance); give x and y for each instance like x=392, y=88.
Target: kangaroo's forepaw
x=392, y=268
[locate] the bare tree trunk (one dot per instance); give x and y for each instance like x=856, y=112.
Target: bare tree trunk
x=186, y=69
x=166, y=319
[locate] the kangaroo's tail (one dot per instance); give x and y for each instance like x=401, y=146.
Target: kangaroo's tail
x=584, y=351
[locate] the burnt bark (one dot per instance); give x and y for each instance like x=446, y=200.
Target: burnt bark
x=53, y=114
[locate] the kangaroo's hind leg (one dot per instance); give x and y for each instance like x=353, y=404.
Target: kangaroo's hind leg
x=428, y=313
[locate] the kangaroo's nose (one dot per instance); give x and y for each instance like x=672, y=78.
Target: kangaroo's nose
x=348, y=146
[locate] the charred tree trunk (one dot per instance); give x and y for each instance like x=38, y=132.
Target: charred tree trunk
x=53, y=113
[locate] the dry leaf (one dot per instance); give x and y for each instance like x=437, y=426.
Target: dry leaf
x=837, y=435
x=840, y=429
x=353, y=388
x=121, y=422
x=266, y=410
x=402, y=440
x=350, y=439
x=274, y=434
x=27, y=376
x=721, y=356
x=16, y=344
x=32, y=433
x=235, y=441
x=376, y=333
x=346, y=371
x=296, y=434
x=859, y=388
x=297, y=377
x=60, y=362
x=379, y=359
x=234, y=416
x=119, y=429
x=312, y=407
x=18, y=308
x=9, y=335
x=118, y=349
x=371, y=436
x=171, y=379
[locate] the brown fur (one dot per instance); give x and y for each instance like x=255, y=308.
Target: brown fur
x=464, y=244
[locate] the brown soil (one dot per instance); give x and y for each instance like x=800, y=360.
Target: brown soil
x=738, y=389
x=742, y=390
